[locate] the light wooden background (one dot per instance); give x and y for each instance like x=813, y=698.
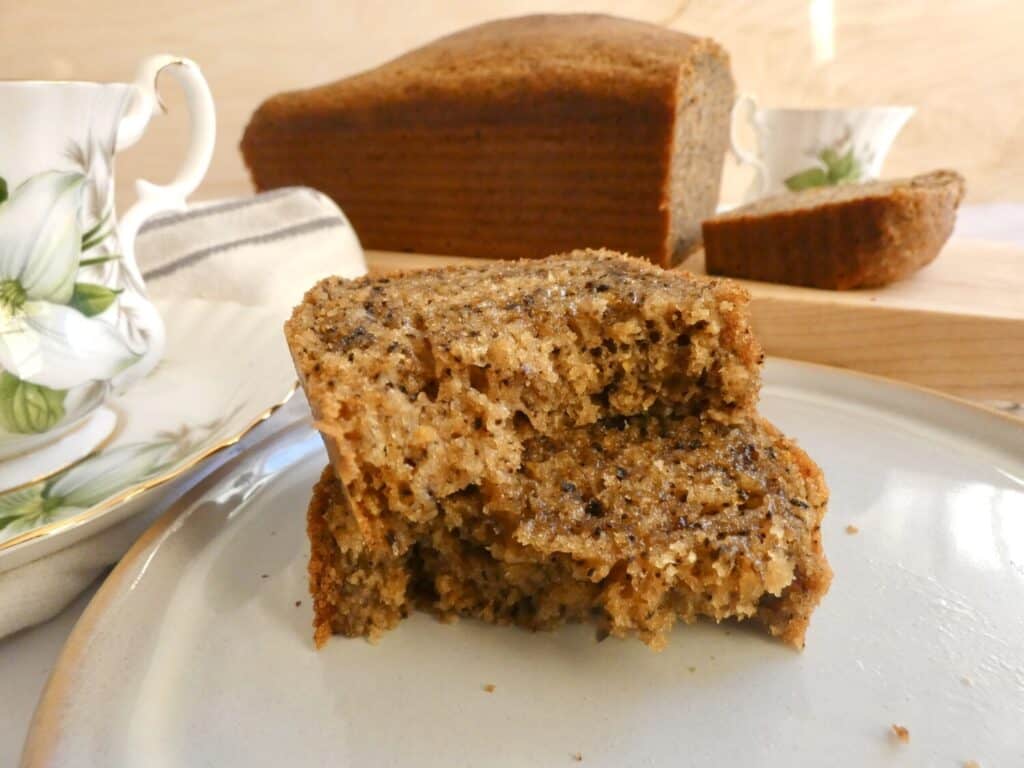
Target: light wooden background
x=960, y=61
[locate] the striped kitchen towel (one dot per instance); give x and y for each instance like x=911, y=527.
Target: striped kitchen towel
x=266, y=250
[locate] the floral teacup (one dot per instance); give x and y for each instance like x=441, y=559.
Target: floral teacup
x=75, y=321
x=801, y=148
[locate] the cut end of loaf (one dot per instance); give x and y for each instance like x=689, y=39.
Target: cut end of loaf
x=704, y=97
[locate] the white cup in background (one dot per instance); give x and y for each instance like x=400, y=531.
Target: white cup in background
x=75, y=320
x=799, y=148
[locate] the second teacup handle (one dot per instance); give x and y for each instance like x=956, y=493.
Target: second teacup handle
x=154, y=198
x=744, y=101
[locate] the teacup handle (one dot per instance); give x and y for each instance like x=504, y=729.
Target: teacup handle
x=154, y=198
x=744, y=101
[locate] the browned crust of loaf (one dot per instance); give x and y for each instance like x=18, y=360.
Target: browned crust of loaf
x=864, y=242
x=732, y=290
x=789, y=616
x=513, y=139
x=323, y=557
x=505, y=63
x=358, y=589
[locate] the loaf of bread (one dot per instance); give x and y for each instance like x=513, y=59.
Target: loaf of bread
x=849, y=236
x=515, y=139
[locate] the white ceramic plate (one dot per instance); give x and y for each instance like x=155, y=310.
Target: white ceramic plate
x=197, y=650
x=226, y=368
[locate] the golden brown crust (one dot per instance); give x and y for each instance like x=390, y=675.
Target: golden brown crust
x=323, y=557
x=513, y=139
x=358, y=589
x=867, y=236
x=490, y=67
x=789, y=616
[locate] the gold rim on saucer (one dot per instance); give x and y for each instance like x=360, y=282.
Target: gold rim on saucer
x=127, y=494
x=101, y=445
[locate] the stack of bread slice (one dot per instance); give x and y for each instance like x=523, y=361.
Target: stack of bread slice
x=567, y=439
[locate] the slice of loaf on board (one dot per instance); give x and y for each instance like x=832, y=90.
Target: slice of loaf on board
x=849, y=236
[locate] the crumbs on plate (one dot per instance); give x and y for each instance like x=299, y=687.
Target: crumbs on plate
x=901, y=733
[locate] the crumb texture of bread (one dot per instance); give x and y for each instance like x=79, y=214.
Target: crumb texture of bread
x=425, y=383
x=515, y=139
x=724, y=523
x=844, y=237
x=572, y=439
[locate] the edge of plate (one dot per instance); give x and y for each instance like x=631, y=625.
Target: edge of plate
x=44, y=728
x=907, y=386
x=129, y=493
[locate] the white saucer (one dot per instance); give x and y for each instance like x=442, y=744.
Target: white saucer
x=68, y=449
x=197, y=650
x=226, y=368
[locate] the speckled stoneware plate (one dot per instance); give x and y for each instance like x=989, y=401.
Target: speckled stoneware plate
x=226, y=368
x=197, y=650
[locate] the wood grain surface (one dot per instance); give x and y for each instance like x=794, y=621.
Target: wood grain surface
x=956, y=326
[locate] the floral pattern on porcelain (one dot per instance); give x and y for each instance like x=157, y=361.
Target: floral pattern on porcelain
x=101, y=477
x=838, y=163
x=61, y=324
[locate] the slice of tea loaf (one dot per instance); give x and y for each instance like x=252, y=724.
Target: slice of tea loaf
x=425, y=383
x=539, y=440
x=849, y=236
x=631, y=523
x=515, y=139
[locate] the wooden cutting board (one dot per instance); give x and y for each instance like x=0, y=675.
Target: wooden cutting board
x=956, y=326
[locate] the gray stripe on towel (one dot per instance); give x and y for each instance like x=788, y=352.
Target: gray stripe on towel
x=159, y=222
x=188, y=260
